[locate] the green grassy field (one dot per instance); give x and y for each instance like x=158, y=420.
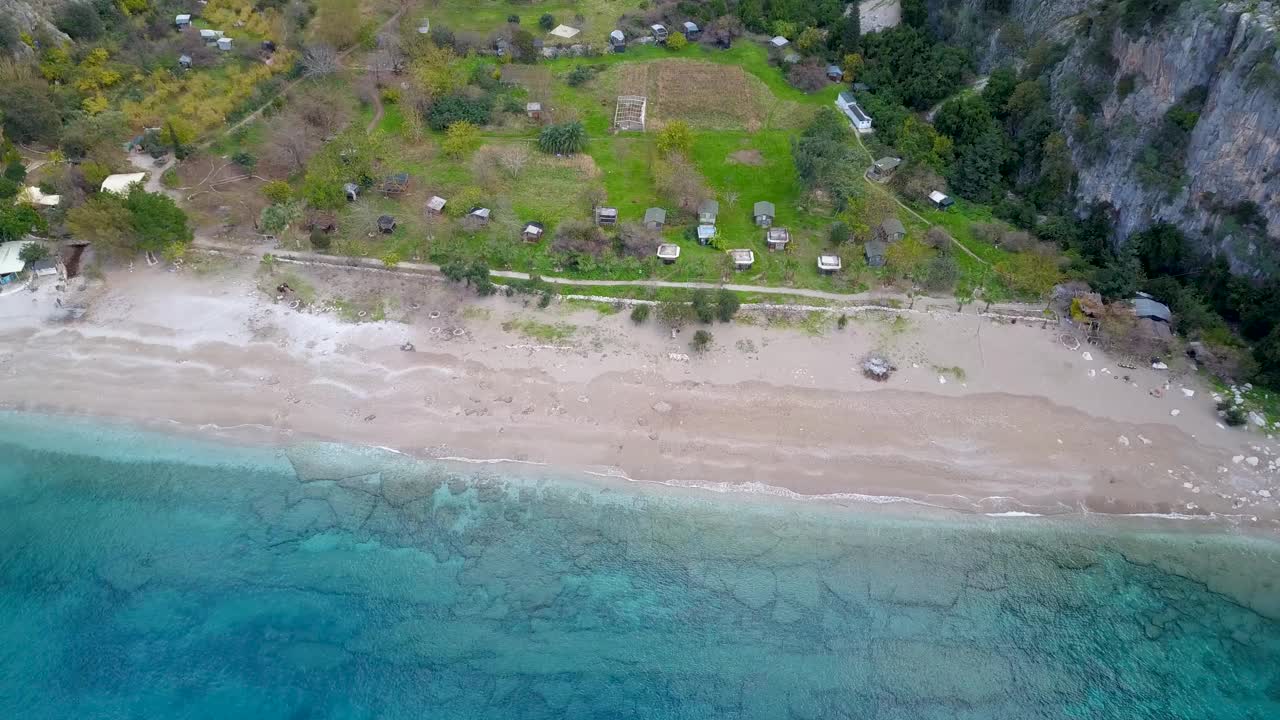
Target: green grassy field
x=595, y=18
x=740, y=164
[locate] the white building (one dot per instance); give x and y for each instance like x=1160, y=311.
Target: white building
x=120, y=184
x=860, y=119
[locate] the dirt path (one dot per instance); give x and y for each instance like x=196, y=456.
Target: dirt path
x=853, y=299
x=904, y=206
x=377, y=114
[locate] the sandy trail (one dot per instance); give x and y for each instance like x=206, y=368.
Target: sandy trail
x=982, y=416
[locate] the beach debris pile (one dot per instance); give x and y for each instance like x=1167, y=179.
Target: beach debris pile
x=877, y=367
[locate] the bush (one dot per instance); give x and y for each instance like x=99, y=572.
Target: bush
x=839, y=232
x=842, y=321
x=701, y=341
x=938, y=239
x=458, y=108
x=80, y=20
x=547, y=21
x=676, y=137
x=674, y=314
x=277, y=191
x=245, y=160
x=703, y=308
x=727, y=304
x=15, y=171
x=513, y=19
x=808, y=76
x=640, y=313
x=563, y=139
x=320, y=242
x=940, y=273
x=580, y=75
x=33, y=252
x=677, y=42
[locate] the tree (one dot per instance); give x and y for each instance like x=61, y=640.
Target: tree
x=940, y=273
x=853, y=63
x=277, y=191
x=104, y=221
x=703, y=307
x=676, y=138
x=1162, y=249
x=1031, y=274
x=319, y=60
x=723, y=31
x=29, y=114
x=80, y=21
x=461, y=139
x=547, y=22
x=640, y=313
x=915, y=13
x=677, y=42
x=677, y=180
x=563, y=139
x=33, y=252
x=438, y=72
x=727, y=304
x=848, y=36
x=275, y=218
x=701, y=342
x=157, y=221
x=808, y=75
x=906, y=258
x=809, y=40
x=1057, y=172
x=17, y=221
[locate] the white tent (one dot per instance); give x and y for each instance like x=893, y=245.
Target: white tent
x=10, y=260
x=32, y=195
x=120, y=184
x=564, y=31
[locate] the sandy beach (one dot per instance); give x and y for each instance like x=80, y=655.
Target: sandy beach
x=983, y=415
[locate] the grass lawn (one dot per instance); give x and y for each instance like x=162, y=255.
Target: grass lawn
x=595, y=18
x=740, y=164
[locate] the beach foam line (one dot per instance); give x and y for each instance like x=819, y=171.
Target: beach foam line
x=487, y=461
x=758, y=488
x=1013, y=513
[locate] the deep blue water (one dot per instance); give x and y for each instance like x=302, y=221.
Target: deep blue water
x=143, y=576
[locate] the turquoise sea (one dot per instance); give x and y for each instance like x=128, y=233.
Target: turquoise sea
x=148, y=576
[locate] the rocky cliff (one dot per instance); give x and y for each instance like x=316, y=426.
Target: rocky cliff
x=32, y=16
x=1114, y=88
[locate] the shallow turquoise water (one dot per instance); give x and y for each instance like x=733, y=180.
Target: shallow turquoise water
x=164, y=578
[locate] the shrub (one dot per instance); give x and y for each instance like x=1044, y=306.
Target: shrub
x=676, y=137
x=842, y=321
x=563, y=139
x=320, y=242
x=579, y=75
x=640, y=313
x=938, y=239
x=677, y=42
x=547, y=21
x=461, y=139
x=390, y=96
x=839, y=232
x=15, y=171
x=33, y=252
x=513, y=19
x=808, y=76
x=703, y=308
x=940, y=273
x=701, y=341
x=455, y=108
x=277, y=191
x=674, y=314
x=727, y=304
x=245, y=160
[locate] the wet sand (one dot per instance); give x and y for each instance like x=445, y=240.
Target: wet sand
x=982, y=416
